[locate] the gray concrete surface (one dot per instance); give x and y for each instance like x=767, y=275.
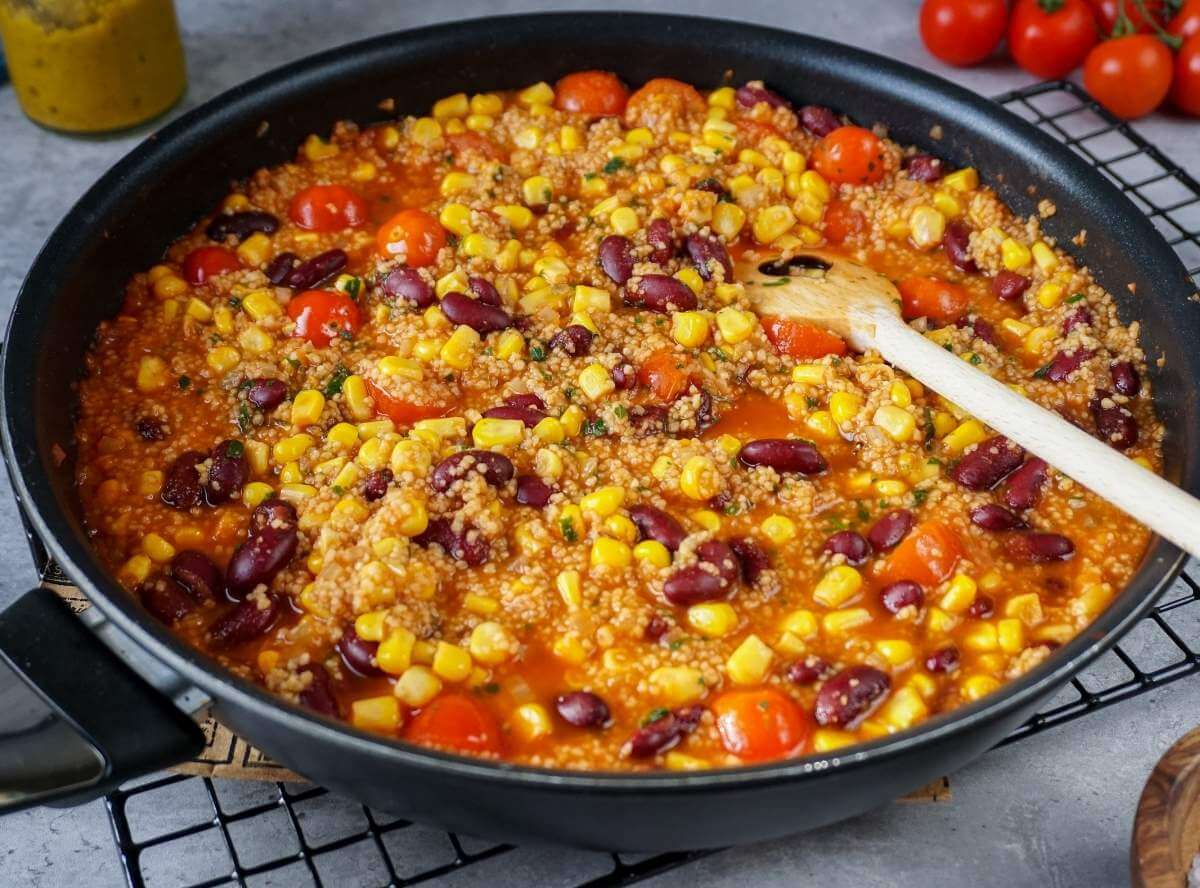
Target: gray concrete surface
x=1054, y=810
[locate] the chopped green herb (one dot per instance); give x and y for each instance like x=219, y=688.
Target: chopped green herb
x=864, y=514
x=338, y=489
x=235, y=302
x=594, y=428
x=620, y=411
x=293, y=362
x=243, y=417
x=718, y=354
x=1043, y=371
x=929, y=429
x=614, y=164
x=184, y=382
x=975, y=360
x=1076, y=298
x=919, y=495
x=491, y=688
x=334, y=386
x=352, y=287
x=568, y=530
x=778, y=282
x=569, y=393
x=537, y=352
x=812, y=403
x=234, y=449
x=654, y=715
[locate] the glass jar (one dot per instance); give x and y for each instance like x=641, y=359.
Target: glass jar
x=88, y=66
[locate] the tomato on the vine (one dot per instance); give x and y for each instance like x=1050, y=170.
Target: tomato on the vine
x=1050, y=38
x=1130, y=76
x=1186, y=22
x=962, y=32
x=1108, y=14
x=1185, y=91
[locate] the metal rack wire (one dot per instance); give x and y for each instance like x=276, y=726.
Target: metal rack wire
x=178, y=830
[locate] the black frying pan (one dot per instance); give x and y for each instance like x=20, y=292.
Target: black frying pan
x=107, y=724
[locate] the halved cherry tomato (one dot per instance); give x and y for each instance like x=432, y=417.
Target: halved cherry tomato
x=327, y=208
x=962, y=32
x=841, y=221
x=1050, y=38
x=760, y=725
x=412, y=236
x=674, y=97
x=933, y=298
x=927, y=555
x=208, y=262
x=321, y=315
x=1108, y=13
x=598, y=93
x=665, y=374
x=455, y=721
x=1185, y=90
x=1130, y=76
x=850, y=154
x=1186, y=22
x=399, y=411
x=462, y=143
x=799, y=340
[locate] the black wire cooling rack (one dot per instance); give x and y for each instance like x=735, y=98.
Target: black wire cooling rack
x=189, y=831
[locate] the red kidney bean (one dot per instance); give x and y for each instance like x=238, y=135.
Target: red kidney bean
x=165, y=600
x=853, y=546
x=624, y=376
x=1024, y=487
x=616, y=258
x=655, y=524
x=704, y=412
x=664, y=732
x=583, y=709
x=228, y=472
x=1039, y=548
x=483, y=319
x=1008, y=286
x=783, y=455
x=273, y=513
x=957, y=244
x=533, y=491
x=942, y=660
x=484, y=291
x=1080, y=317
x=995, y=518
x=497, y=469
x=818, y=120
x=150, y=428
x=526, y=400
x=751, y=557
x=656, y=628
x=985, y=466
x=889, y=529
x=308, y=274
x=984, y=330
x=358, y=655
x=260, y=558
x=649, y=419
x=754, y=92
x=704, y=251
x=693, y=585
x=1115, y=425
x=925, y=168
x=895, y=597
x=1125, y=378
x=280, y=267
x=1063, y=364
x=850, y=696
x=375, y=485
x=526, y=415
x=197, y=575
x=809, y=670
x=181, y=488
x=266, y=393
x=467, y=545
x=660, y=236
x=241, y=225
x=721, y=556
x=661, y=293
x=982, y=607
x=245, y=622
x=407, y=284
x=319, y=696
x=574, y=339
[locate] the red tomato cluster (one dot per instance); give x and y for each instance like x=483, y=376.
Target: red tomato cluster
x=1135, y=53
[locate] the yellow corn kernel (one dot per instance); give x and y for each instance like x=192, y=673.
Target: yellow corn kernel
x=255, y=492
x=1010, y=634
x=844, y=621
x=899, y=393
x=772, y=222
x=354, y=391
x=150, y=482
x=959, y=595
x=820, y=423
x=570, y=588
x=677, y=685
x=809, y=374
x=829, y=739
x=652, y=552
x=198, y=310
x=779, y=529
x=369, y=626
x=492, y=432
x=896, y=651
x=459, y=350
x=728, y=220
x=896, y=421
x=980, y=638
x=713, y=619
x=844, y=406
x=456, y=182
x=1044, y=257
x=166, y=283
x=946, y=204
x=1026, y=607
x=1050, y=294
x=689, y=328
x=572, y=420
x=719, y=141
x=966, y=434
x=976, y=686
x=1014, y=255
x=261, y=304
x=596, y=382
x=591, y=300
x=255, y=340
x=152, y=374
x=890, y=487
x=451, y=662
x=491, y=644
x=381, y=714
x=840, y=583
x=791, y=645
x=307, y=408
x=569, y=649
x=700, y=479
x=541, y=93
x=680, y=761
x=157, y=548
x=456, y=105
x=604, y=501
x=607, y=552
x=479, y=246
x=624, y=221
x=134, y=571
x=291, y=473
x=966, y=179
x=749, y=663
x=484, y=605
x=753, y=157
x=707, y=519
x=926, y=227
x=426, y=131
x=903, y=709
x=316, y=148
x=1038, y=338
x=531, y=721
x=813, y=184
x=537, y=191
x=394, y=653
x=479, y=122
x=417, y=686
x=621, y=528
x=735, y=325
x=292, y=448
x=375, y=453
x=800, y=623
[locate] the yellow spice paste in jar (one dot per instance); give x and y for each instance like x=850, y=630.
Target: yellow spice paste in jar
x=93, y=65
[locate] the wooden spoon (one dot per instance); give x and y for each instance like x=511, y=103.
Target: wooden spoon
x=863, y=307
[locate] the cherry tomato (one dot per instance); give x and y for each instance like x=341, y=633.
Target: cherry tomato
x=455, y=721
x=1108, y=12
x=465, y=143
x=842, y=221
x=1130, y=76
x=399, y=411
x=963, y=32
x=933, y=298
x=327, y=208
x=322, y=314
x=927, y=555
x=413, y=236
x=1186, y=22
x=760, y=725
x=1185, y=91
x=665, y=374
x=673, y=96
x=799, y=340
x=850, y=154
x=1050, y=38
x=597, y=93
x=208, y=262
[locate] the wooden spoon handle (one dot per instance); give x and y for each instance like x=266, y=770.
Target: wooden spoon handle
x=1154, y=502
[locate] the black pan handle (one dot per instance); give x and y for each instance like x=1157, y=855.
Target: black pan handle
x=76, y=721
